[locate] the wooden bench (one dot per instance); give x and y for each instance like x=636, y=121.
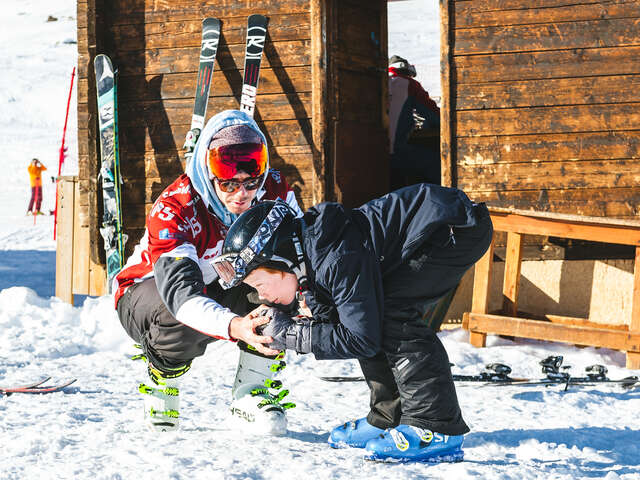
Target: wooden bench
x=578, y=331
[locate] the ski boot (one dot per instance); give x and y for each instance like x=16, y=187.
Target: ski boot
x=353, y=434
x=407, y=443
x=255, y=409
x=162, y=397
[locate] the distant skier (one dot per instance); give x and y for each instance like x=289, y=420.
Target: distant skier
x=368, y=275
x=167, y=296
x=410, y=163
x=35, y=170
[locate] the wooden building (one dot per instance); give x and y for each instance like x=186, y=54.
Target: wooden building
x=321, y=99
x=541, y=104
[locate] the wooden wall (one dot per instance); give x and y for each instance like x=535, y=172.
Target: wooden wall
x=320, y=101
x=541, y=104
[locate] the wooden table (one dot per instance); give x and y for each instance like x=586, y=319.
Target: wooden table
x=578, y=331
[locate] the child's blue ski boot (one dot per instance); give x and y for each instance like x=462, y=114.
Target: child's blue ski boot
x=353, y=434
x=407, y=443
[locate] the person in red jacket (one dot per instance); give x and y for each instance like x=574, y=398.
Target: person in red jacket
x=167, y=296
x=410, y=163
x=35, y=170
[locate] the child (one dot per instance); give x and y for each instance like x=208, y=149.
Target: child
x=368, y=275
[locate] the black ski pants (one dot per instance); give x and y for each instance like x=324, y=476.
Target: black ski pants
x=167, y=343
x=410, y=379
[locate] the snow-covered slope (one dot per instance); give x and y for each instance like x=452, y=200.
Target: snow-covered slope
x=94, y=429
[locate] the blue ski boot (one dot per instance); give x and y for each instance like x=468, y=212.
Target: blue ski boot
x=353, y=434
x=407, y=443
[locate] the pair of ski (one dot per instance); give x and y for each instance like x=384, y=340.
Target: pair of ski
x=499, y=374
x=111, y=230
x=256, y=36
x=36, y=388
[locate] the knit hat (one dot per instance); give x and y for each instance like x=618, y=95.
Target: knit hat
x=234, y=135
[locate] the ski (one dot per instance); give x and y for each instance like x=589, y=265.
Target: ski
x=556, y=374
x=256, y=36
x=29, y=385
x=36, y=388
x=208, y=51
x=111, y=231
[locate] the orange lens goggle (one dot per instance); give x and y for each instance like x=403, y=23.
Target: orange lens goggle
x=227, y=161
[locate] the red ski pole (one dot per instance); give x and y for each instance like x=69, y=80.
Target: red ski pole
x=62, y=152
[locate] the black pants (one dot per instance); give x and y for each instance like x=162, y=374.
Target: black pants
x=168, y=343
x=410, y=379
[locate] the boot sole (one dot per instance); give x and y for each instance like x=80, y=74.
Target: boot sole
x=454, y=456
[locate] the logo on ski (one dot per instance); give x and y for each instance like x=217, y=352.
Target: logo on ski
x=255, y=42
x=210, y=40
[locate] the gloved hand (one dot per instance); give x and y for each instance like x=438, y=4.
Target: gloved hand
x=287, y=333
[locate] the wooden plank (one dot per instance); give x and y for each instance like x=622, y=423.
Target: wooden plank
x=482, y=282
x=512, y=267
x=448, y=142
x=80, y=274
x=64, y=240
x=181, y=85
x=97, y=280
x=158, y=11
x=359, y=98
x=478, y=151
x=633, y=361
x=188, y=32
x=550, y=92
x=577, y=62
x=614, y=32
x=536, y=120
x=494, y=14
x=584, y=322
x=620, y=234
x=526, y=328
x=179, y=111
x=229, y=57
x=319, y=100
x=550, y=175
x=593, y=202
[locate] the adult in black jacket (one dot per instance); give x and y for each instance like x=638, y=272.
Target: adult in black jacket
x=368, y=275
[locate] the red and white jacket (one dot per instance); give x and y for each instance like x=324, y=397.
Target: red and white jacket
x=181, y=239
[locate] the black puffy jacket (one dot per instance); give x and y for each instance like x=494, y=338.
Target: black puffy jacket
x=349, y=252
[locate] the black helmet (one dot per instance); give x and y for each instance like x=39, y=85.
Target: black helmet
x=265, y=235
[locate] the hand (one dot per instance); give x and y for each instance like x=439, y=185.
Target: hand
x=245, y=329
x=287, y=333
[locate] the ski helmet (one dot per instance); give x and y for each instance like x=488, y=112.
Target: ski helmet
x=402, y=65
x=267, y=234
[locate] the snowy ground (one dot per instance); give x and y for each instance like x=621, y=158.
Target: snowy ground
x=94, y=428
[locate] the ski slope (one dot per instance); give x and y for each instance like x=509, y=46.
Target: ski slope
x=94, y=429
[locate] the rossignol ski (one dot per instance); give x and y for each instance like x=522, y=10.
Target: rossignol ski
x=256, y=36
x=114, y=238
x=208, y=51
x=35, y=388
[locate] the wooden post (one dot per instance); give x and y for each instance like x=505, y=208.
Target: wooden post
x=81, y=252
x=512, y=267
x=64, y=240
x=481, y=290
x=633, y=358
x=447, y=110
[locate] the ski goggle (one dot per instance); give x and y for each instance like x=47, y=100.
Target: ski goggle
x=230, y=186
x=232, y=268
x=227, y=161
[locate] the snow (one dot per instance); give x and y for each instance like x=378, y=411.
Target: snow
x=94, y=428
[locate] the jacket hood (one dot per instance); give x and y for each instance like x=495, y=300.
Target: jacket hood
x=197, y=170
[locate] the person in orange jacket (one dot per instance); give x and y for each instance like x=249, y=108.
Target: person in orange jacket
x=35, y=178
